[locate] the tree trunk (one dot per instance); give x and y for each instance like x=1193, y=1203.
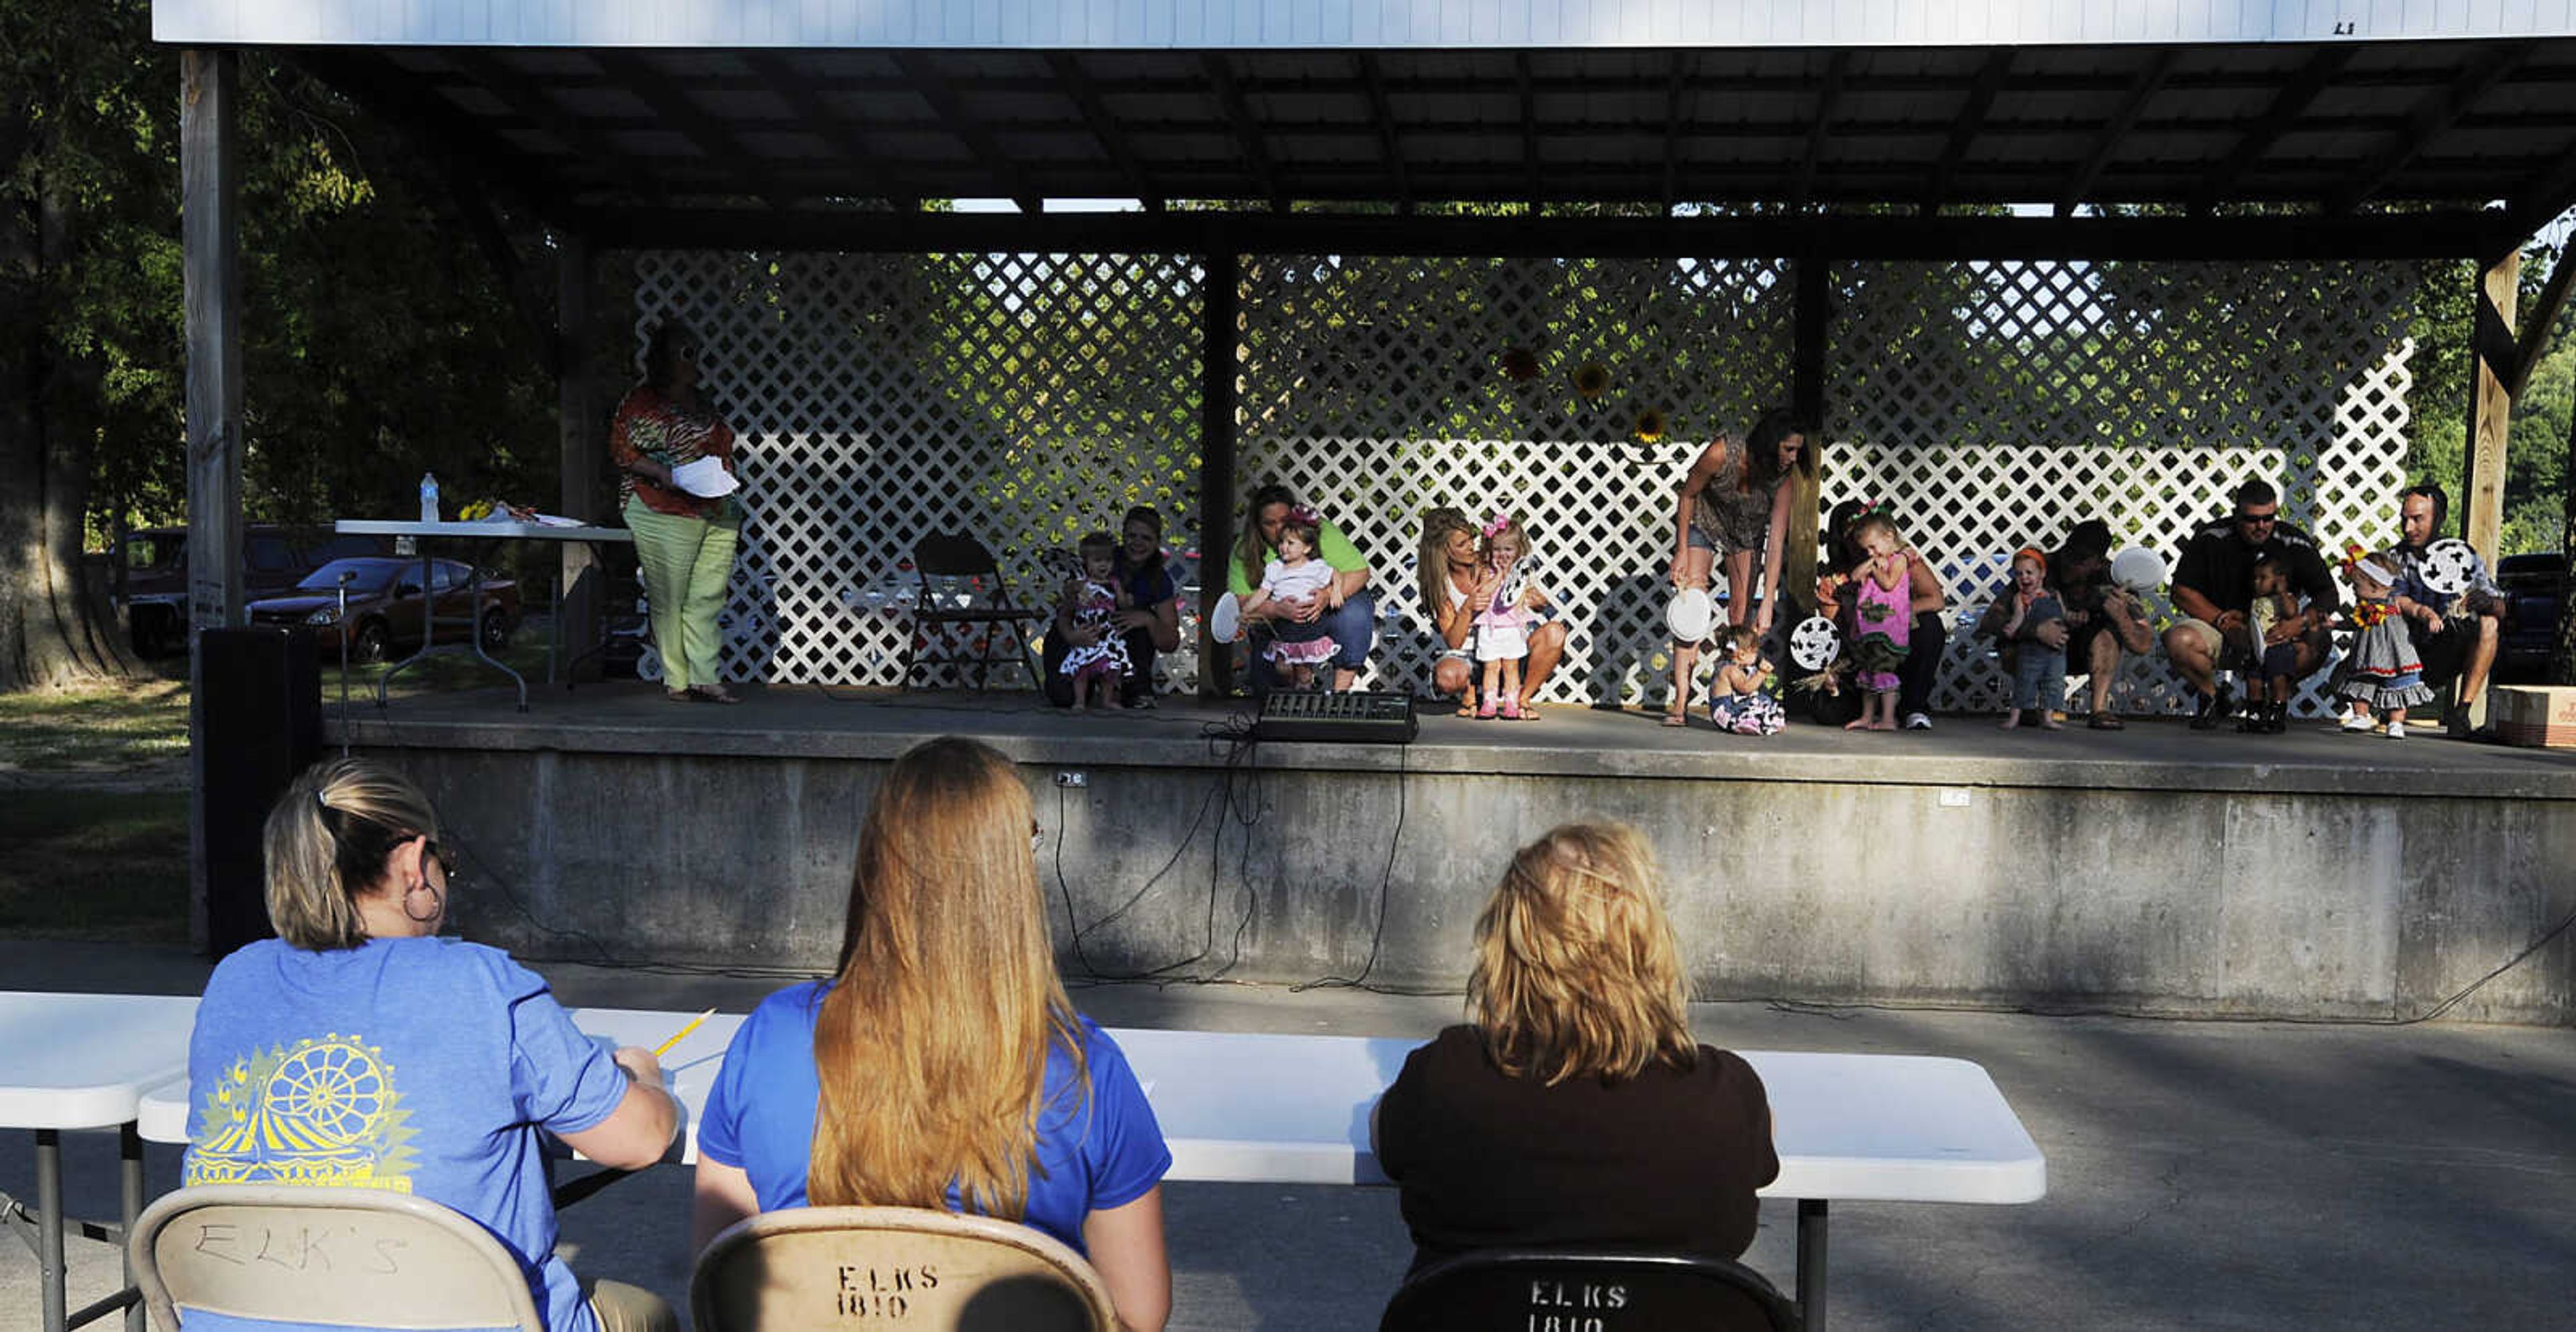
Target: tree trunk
x=55, y=626
x=2562, y=653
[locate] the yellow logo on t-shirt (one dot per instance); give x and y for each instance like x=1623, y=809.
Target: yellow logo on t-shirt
x=320, y=1112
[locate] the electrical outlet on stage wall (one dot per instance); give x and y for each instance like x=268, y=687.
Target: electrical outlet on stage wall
x=1071, y=777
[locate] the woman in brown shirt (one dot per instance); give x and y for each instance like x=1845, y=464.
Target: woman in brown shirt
x=1574, y=1108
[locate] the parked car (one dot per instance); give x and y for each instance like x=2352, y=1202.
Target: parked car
x=383, y=613
x=274, y=560
x=2535, y=586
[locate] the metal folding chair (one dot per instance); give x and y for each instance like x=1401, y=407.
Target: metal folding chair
x=336, y=1257
x=911, y=1267
x=962, y=587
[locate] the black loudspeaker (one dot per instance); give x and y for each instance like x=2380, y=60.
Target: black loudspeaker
x=259, y=692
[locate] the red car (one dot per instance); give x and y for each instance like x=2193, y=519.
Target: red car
x=383, y=612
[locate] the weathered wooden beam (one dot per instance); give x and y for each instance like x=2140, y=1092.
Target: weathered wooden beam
x=1382, y=116
x=892, y=183
x=1220, y=369
x=1829, y=95
x=2444, y=235
x=1086, y=98
x=2432, y=118
x=2287, y=106
x=2536, y=325
x=210, y=277
x=715, y=141
x=1963, y=131
x=1247, y=131
x=932, y=87
x=2142, y=90
x=581, y=429
x=2490, y=411
x=1810, y=370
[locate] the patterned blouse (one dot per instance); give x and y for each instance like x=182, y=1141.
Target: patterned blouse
x=650, y=425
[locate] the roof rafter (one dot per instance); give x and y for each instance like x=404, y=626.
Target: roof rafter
x=932, y=88
x=715, y=141
x=1529, y=126
x=516, y=92
x=2543, y=199
x=1095, y=116
x=2434, y=117
x=798, y=92
x=1247, y=131
x=2287, y=106
x=1828, y=95
x=1382, y=112
x=2142, y=90
x=1963, y=132
x=1676, y=89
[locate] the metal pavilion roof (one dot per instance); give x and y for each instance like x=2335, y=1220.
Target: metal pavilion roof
x=590, y=110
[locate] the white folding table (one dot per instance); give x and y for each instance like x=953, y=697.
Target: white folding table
x=424, y=533
x=83, y=1061
x=1294, y=1109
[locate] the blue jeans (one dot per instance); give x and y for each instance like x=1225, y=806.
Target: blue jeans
x=1352, y=627
x=2039, y=677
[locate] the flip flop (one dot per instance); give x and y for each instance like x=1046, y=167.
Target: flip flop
x=1465, y=710
x=2103, y=721
x=1529, y=712
x=1676, y=719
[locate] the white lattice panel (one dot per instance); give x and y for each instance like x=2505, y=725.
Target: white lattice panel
x=1373, y=387
x=1026, y=398
x=1023, y=399
x=1995, y=404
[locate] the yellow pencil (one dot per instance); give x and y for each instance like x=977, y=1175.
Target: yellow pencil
x=682, y=1034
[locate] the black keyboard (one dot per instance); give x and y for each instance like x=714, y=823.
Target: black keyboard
x=1347, y=718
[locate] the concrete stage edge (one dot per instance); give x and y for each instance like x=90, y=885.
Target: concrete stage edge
x=2156, y=869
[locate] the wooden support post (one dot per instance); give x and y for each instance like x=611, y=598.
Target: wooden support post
x=2490, y=408
x=210, y=247
x=1220, y=365
x=1808, y=327
x=580, y=428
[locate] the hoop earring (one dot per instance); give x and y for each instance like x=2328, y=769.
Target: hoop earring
x=437, y=903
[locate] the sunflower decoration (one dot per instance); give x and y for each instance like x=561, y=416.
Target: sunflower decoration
x=1591, y=379
x=475, y=512
x=1651, y=426
x=1520, y=364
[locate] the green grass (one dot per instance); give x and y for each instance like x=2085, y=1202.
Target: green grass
x=87, y=864
x=112, y=727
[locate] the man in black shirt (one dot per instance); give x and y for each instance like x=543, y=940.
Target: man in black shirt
x=2213, y=586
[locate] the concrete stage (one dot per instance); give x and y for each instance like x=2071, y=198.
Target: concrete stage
x=2156, y=869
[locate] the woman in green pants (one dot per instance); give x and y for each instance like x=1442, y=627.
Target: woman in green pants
x=685, y=543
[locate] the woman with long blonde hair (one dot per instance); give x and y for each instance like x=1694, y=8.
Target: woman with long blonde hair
x=942, y=1064
x=1573, y=1107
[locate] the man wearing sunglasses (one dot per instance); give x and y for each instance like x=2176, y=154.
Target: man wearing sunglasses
x=2213, y=588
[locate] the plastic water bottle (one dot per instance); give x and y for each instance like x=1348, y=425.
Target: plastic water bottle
x=428, y=498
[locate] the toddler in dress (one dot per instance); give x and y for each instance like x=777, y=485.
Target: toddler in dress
x=2385, y=674
x=1295, y=580
x=1882, y=619
x=1746, y=697
x=1502, y=623
x=1098, y=669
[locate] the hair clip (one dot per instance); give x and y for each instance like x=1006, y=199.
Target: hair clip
x=1494, y=526
x=1302, y=515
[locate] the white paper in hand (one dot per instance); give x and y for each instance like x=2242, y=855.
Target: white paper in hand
x=705, y=478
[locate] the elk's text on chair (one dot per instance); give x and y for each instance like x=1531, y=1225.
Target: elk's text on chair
x=1614, y=1292
x=962, y=588
x=929, y=1270
x=393, y=1260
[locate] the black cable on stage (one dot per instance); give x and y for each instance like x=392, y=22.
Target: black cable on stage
x=1385, y=882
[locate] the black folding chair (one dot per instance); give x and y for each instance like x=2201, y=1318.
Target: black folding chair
x=962, y=588
x=1518, y=1288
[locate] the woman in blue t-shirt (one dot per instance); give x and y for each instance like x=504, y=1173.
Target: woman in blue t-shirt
x=358, y=1049
x=942, y=1065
